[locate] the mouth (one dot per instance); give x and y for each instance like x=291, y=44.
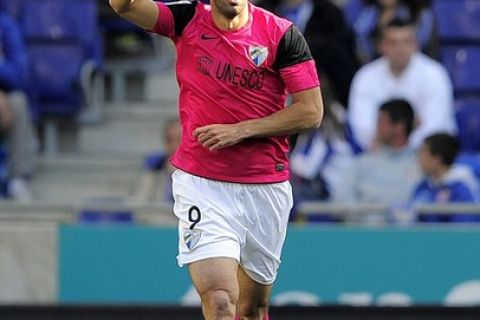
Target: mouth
x=233, y=3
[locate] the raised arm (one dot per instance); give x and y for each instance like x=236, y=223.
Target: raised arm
x=143, y=13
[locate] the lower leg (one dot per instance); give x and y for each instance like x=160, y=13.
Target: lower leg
x=22, y=142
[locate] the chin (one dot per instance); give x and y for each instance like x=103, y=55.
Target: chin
x=231, y=13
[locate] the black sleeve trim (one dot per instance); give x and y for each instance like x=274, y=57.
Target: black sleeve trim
x=292, y=49
x=183, y=12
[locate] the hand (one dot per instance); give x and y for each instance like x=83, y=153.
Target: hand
x=218, y=136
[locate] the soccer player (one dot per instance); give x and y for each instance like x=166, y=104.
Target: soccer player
x=235, y=63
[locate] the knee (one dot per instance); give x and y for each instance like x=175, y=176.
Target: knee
x=252, y=310
x=220, y=304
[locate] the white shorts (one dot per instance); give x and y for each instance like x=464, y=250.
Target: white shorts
x=245, y=222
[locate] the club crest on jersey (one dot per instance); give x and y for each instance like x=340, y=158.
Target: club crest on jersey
x=258, y=54
x=191, y=237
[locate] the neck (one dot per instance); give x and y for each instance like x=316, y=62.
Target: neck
x=397, y=70
x=389, y=9
x=439, y=173
x=398, y=143
x=226, y=23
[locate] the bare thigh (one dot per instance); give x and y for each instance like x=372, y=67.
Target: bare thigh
x=214, y=273
x=215, y=276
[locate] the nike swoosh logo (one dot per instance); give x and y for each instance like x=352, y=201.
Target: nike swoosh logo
x=206, y=37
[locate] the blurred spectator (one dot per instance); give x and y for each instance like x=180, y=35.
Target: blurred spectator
x=444, y=182
x=157, y=163
x=471, y=160
x=352, y=10
x=388, y=173
x=378, y=13
x=320, y=157
x=401, y=72
x=330, y=40
x=14, y=111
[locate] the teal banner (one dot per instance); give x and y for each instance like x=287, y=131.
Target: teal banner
x=321, y=265
x=120, y=264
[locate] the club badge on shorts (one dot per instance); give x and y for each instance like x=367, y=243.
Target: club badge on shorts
x=191, y=237
x=258, y=54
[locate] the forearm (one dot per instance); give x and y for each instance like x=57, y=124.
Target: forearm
x=120, y=6
x=143, y=13
x=288, y=121
x=305, y=113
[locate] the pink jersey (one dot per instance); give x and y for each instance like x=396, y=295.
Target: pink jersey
x=231, y=76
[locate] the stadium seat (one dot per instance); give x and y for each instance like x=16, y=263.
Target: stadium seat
x=65, y=31
x=48, y=19
x=86, y=14
x=62, y=20
x=91, y=216
x=55, y=86
x=458, y=20
x=50, y=28
x=463, y=64
x=467, y=113
x=55, y=69
x=13, y=7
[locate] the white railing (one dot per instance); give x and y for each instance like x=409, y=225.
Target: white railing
x=63, y=212
x=362, y=212
x=67, y=212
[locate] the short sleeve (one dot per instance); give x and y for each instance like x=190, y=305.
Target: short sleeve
x=292, y=49
x=173, y=17
x=295, y=63
x=300, y=77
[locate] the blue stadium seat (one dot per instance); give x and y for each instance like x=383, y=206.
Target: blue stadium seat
x=467, y=112
x=463, y=64
x=89, y=32
x=66, y=52
x=458, y=19
x=49, y=19
x=93, y=216
x=13, y=7
x=55, y=69
x=60, y=20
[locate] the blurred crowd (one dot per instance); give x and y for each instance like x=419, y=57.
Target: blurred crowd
x=392, y=124
x=401, y=87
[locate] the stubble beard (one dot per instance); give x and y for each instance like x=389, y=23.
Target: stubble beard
x=227, y=11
